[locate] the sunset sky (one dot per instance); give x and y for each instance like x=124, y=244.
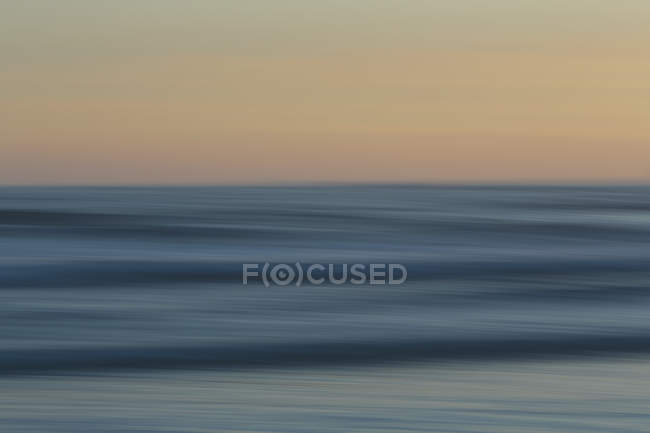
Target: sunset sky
x=257, y=91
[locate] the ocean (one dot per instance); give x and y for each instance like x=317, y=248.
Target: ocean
x=526, y=309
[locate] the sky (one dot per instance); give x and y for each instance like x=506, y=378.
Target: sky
x=303, y=91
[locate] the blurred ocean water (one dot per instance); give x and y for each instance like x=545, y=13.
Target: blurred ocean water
x=527, y=309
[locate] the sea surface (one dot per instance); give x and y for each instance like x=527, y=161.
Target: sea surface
x=526, y=309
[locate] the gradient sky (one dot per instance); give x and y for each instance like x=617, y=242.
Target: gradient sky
x=255, y=91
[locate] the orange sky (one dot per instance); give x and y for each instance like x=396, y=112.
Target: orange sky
x=296, y=91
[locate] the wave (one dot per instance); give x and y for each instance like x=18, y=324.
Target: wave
x=304, y=224
x=85, y=273
x=327, y=354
